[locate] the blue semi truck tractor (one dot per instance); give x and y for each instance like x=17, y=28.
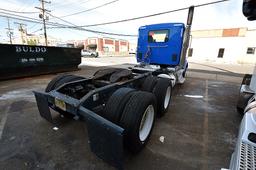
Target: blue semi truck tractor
x=120, y=106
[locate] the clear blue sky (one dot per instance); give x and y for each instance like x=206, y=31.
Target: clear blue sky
x=223, y=15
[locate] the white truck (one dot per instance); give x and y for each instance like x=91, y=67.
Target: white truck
x=244, y=156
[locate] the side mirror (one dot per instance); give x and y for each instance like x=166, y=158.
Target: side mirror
x=249, y=9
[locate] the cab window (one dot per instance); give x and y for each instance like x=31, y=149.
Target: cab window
x=158, y=36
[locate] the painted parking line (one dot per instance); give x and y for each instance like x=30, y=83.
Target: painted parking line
x=206, y=129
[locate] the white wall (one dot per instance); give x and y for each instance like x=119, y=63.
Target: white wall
x=206, y=49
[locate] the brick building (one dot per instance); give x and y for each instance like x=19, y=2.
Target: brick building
x=105, y=46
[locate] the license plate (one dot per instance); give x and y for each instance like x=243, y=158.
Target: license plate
x=60, y=104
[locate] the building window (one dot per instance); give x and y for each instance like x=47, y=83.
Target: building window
x=190, y=52
x=221, y=52
x=105, y=49
x=250, y=50
x=158, y=36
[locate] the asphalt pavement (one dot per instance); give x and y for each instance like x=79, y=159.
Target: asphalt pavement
x=194, y=65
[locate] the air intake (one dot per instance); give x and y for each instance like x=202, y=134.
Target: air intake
x=247, y=157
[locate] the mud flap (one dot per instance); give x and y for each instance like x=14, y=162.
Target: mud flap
x=42, y=104
x=105, y=138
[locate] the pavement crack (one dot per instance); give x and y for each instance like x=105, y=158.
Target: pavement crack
x=3, y=120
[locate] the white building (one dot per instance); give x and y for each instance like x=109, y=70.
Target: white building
x=33, y=39
x=235, y=45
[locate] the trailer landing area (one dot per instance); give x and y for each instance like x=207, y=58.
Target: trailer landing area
x=198, y=132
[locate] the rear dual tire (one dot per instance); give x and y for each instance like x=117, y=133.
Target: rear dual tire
x=134, y=111
x=116, y=103
x=138, y=120
x=163, y=93
x=149, y=83
x=162, y=89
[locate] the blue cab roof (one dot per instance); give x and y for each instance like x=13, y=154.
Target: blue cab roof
x=162, y=25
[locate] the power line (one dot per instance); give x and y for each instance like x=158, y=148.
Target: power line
x=19, y=17
x=76, y=13
x=27, y=19
x=147, y=16
x=57, y=25
x=25, y=5
x=61, y=19
x=22, y=12
x=92, y=31
x=85, y=2
x=34, y=25
x=61, y=5
x=126, y=20
x=36, y=30
x=102, y=32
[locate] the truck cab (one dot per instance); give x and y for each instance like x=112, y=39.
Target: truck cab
x=160, y=44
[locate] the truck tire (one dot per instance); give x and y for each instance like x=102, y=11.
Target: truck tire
x=163, y=93
x=247, y=79
x=244, y=97
x=240, y=110
x=51, y=84
x=116, y=103
x=57, y=82
x=122, y=74
x=138, y=120
x=242, y=102
x=105, y=72
x=68, y=79
x=60, y=80
x=149, y=83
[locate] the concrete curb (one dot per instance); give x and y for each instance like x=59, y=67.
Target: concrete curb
x=214, y=75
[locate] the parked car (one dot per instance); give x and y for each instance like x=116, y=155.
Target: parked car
x=85, y=53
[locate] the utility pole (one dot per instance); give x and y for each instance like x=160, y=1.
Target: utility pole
x=10, y=31
x=44, y=17
x=22, y=30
